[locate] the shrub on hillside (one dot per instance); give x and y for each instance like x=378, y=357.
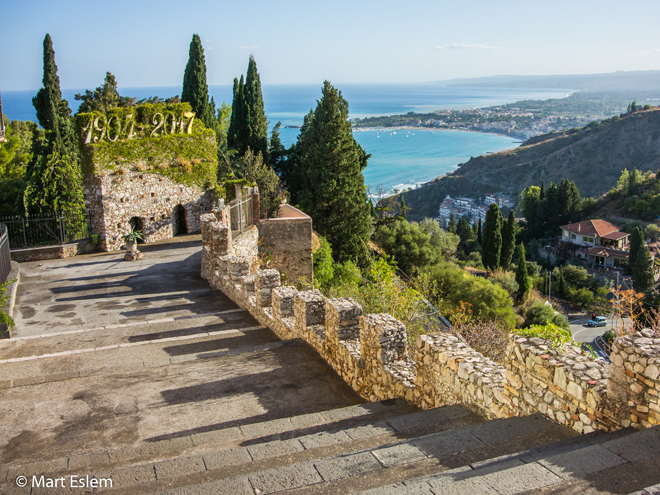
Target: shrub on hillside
x=542, y=314
x=556, y=335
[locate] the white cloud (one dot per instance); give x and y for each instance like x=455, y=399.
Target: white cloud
x=244, y=47
x=655, y=51
x=458, y=46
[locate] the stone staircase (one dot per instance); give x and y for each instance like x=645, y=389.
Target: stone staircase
x=171, y=398
x=373, y=448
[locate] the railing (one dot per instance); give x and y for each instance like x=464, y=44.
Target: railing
x=241, y=214
x=44, y=230
x=5, y=257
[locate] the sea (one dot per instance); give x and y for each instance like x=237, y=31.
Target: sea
x=400, y=159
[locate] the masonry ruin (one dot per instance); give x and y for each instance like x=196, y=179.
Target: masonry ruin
x=151, y=167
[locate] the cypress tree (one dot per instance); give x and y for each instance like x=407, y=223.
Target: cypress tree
x=542, y=193
x=327, y=179
x=277, y=153
x=195, y=89
x=54, y=182
x=475, y=229
x=561, y=288
x=257, y=139
x=53, y=112
x=451, y=227
x=479, y=236
x=466, y=235
x=492, y=238
x=636, y=242
x=508, y=241
x=403, y=208
x=522, y=279
x=642, y=275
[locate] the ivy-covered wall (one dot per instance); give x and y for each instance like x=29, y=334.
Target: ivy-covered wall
x=163, y=139
x=154, y=165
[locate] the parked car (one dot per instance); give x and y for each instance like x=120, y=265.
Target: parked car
x=599, y=321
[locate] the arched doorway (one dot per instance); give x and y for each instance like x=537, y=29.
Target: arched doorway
x=179, y=220
x=136, y=223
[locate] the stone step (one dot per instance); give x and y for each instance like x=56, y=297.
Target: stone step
x=601, y=464
x=321, y=466
x=349, y=471
x=264, y=439
x=136, y=352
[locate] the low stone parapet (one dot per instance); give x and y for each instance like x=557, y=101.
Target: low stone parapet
x=451, y=372
x=634, y=378
x=565, y=383
x=370, y=352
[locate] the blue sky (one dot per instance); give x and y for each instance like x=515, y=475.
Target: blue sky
x=357, y=41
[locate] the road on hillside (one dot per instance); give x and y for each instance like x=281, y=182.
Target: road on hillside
x=587, y=335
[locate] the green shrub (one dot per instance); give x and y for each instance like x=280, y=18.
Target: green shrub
x=541, y=314
x=556, y=335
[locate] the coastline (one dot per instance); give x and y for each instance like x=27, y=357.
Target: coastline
x=432, y=129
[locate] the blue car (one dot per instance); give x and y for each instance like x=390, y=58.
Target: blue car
x=600, y=321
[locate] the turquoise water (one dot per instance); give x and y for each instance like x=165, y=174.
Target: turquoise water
x=398, y=160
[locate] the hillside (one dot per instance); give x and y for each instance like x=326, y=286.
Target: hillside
x=592, y=157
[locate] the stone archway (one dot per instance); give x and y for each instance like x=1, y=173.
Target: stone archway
x=179, y=223
x=137, y=224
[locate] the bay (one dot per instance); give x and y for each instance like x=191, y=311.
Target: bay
x=398, y=160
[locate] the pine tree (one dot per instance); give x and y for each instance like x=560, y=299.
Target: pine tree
x=492, y=238
x=642, y=275
x=522, y=279
x=257, y=139
x=636, y=242
x=451, y=227
x=195, y=88
x=403, y=208
x=53, y=112
x=508, y=241
x=327, y=179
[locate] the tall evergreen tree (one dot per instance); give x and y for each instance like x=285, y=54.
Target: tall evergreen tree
x=522, y=279
x=328, y=183
x=54, y=182
x=277, y=153
x=492, y=238
x=451, y=226
x=542, y=193
x=53, y=112
x=479, y=233
x=636, y=242
x=508, y=241
x=561, y=286
x=403, y=208
x=642, y=274
x=466, y=236
x=195, y=88
x=257, y=139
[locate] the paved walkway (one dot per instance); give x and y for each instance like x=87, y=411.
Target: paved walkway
x=111, y=354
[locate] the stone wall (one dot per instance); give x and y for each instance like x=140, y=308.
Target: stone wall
x=288, y=240
x=113, y=199
x=371, y=354
x=634, y=379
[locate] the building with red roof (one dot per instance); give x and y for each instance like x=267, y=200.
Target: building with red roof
x=598, y=241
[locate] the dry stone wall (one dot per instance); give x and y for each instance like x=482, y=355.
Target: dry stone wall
x=114, y=199
x=371, y=354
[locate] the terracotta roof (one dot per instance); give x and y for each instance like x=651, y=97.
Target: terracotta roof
x=591, y=227
x=615, y=236
x=601, y=251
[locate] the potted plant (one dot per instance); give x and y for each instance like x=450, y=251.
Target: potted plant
x=131, y=239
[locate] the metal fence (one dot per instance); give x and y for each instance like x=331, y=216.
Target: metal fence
x=44, y=230
x=5, y=257
x=241, y=214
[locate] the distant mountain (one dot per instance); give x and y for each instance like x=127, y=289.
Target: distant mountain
x=593, y=157
x=616, y=81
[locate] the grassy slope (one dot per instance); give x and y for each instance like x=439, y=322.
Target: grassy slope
x=593, y=158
